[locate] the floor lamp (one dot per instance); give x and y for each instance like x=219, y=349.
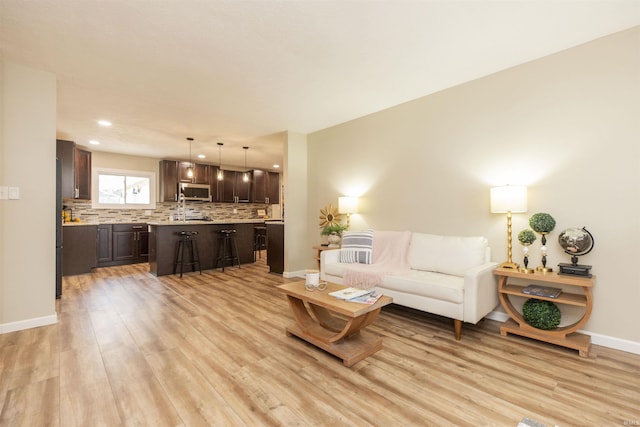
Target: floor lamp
x=348, y=205
x=509, y=199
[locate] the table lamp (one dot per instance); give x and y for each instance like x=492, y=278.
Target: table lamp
x=347, y=205
x=509, y=199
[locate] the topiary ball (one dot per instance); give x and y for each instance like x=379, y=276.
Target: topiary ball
x=542, y=222
x=541, y=314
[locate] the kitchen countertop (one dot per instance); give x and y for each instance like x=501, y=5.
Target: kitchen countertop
x=166, y=222
x=212, y=222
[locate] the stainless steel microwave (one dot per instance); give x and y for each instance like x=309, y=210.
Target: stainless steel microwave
x=195, y=191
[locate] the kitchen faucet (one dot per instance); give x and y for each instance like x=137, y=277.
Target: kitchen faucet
x=182, y=208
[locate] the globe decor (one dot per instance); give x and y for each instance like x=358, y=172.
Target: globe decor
x=576, y=242
x=543, y=224
x=541, y=314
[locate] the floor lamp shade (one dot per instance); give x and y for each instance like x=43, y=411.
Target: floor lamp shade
x=508, y=199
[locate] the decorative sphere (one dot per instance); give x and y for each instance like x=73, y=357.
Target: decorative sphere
x=541, y=314
x=576, y=241
x=542, y=222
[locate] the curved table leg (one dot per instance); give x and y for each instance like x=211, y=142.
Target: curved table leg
x=338, y=336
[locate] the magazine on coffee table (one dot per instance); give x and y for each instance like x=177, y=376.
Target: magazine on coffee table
x=542, y=291
x=367, y=299
x=350, y=293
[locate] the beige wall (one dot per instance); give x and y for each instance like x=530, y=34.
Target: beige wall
x=566, y=126
x=102, y=159
x=27, y=225
x=296, y=251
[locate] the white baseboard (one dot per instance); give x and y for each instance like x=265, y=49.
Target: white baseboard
x=613, y=342
x=28, y=323
x=598, y=339
x=499, y=316
x=292, y=274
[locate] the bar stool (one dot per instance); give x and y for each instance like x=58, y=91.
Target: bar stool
x=227, y=248
x=187, y=243
x=259, y=241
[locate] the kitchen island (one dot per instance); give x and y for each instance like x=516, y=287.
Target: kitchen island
x=163, y=238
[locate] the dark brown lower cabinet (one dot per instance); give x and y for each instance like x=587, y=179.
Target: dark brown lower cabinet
x=120, y=244
x=78, y=249
x=104, y=245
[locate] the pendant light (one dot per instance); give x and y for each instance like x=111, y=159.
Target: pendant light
x=220, y=175
x=190, y=168
x=245, y=176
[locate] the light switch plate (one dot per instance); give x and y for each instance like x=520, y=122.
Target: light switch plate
x=4, y=192
x=14, y=193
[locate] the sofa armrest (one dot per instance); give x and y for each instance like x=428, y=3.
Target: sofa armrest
x=329, y=256
x=480, y=292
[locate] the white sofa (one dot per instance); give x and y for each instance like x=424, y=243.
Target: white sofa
x=444, y=275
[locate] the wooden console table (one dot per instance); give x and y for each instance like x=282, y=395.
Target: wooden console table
x=565, y=336
x=333, y=324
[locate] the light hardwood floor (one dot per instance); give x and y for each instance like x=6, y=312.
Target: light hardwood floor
x=211, y=349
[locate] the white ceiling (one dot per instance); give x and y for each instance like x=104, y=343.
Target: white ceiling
x=241, y=72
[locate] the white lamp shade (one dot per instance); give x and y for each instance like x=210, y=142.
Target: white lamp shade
x=347, y=205
x=509, y=198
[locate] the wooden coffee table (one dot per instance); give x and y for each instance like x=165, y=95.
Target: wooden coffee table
x=332, y=324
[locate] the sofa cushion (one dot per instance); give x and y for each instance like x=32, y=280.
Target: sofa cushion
x=357, y=246
x=444, y=287
x=335, y=269
x=446, y=254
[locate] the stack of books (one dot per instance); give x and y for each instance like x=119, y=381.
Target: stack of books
x=362, y=296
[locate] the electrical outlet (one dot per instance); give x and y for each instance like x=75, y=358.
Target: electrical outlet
x=14, y=193
x=4, y=192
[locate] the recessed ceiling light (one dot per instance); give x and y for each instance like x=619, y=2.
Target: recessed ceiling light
x=106, y=123
x=94, y=142
x=276, y=166
x=201, y=156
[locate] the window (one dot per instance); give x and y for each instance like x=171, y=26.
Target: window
x=123, y=189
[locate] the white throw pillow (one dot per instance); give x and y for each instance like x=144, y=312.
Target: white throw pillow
x=446, y=254
x=357, y=247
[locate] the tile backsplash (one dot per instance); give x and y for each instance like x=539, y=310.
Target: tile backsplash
x=217, y=211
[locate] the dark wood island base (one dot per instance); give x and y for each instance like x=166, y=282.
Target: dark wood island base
x=163, y=239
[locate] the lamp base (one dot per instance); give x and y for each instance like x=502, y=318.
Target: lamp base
x=508, y=264
x=544, y=269
x=526, y=270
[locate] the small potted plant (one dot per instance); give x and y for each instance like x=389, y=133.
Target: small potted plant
x=334, y=233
